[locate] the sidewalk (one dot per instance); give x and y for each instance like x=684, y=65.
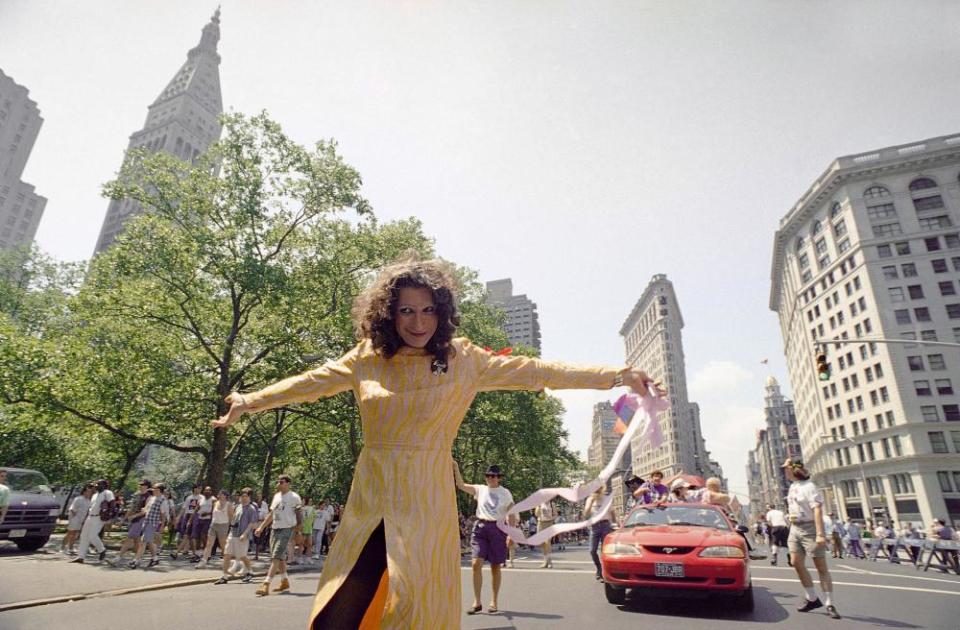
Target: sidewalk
x=47, y=573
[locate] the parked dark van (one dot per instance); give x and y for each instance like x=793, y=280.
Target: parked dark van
x=33, y=510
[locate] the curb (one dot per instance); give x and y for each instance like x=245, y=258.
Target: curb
x=146, y=588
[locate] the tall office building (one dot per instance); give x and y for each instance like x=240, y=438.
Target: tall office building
x=603, y=443
x=182, y=121
x=776, y=441
x=757, y=504
x=651, y=334
x=523, y=324
x=20, y=206
x=872, y=251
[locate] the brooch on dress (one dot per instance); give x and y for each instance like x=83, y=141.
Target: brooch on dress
x=438, y=367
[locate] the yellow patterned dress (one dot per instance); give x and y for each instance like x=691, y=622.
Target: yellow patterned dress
x=395, y=562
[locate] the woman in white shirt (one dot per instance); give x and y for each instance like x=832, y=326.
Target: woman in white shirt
x=221, y=518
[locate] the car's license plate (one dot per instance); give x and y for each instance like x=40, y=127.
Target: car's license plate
x=668, y=569
x=18, y=533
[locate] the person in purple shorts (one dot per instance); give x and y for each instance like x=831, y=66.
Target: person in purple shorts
x=487, y=541
x=134, y=516
x=201, y=522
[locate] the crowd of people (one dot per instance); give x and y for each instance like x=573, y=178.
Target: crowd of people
x=201, y=524
x=852, y=538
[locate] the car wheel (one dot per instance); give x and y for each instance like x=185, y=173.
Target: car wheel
x=744, y=602
x=32, y=544
x=615, y=595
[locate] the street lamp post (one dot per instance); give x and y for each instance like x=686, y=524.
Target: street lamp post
x=868, y=507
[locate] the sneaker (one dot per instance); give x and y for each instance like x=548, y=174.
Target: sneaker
x=173, y=555
x=832, y=612
x=808, y=605
x=222, y=580
x=132, y=564
x=284, y=585
x=263, y=590
x=201, y=565
x=77, y=561
x=153, y=562
x=72, y=552
x=103, y=554
x=247, y=578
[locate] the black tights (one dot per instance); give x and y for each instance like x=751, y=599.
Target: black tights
x=349, y=604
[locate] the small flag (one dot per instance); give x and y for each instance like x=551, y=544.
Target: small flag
x=499, y=353
x=625, y=408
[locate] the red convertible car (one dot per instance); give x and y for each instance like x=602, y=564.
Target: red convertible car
x=683, y=548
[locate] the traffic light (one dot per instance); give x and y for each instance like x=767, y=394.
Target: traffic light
x=823, y=368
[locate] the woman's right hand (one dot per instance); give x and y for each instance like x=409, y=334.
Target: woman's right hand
x=238, y=406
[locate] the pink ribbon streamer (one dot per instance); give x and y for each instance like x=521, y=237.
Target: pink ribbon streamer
x=649, y=406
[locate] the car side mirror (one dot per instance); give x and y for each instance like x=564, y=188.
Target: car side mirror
x=743, y=529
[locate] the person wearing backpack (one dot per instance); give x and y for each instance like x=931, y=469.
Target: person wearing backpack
x=103, y=508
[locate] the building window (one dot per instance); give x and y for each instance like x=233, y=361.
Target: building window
x=953, y=311
x=944, y=478
x=937, y=442
x=952, y=241
x=821, y=246
x=909, y=270
x=909, y=335
x=807, y=276
x=884, y=251
x=915, y=363
x=939, y=265
x=835, y=209
x=897, y=446
x=875, y=191
x=881, y=211
x=915, y=291
x=935, y=223
x=804, y=261
x=890, y=272
x=922, y=183
x=956, y=262
x=947, y=288
x=817, y=227
x=875, y=485
x=936, y=362
x=887, y=229
x=933, y=202
x=944, y=386
x=896, y=294
x=922, y=314
x=951, y=413
x=933, y=244
x=843, y=245
x=929, y=413
x=922, y=388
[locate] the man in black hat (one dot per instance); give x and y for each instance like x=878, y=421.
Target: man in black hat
x=487, y=541
x=633, y=484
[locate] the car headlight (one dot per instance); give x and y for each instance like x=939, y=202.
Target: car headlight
x=54, y=511
x=722, y=552
x=620, y=549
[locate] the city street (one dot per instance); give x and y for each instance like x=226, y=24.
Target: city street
x=868, y=595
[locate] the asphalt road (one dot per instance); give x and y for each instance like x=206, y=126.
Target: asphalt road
x=868, y=595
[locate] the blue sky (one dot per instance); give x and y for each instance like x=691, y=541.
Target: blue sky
x=578, y=148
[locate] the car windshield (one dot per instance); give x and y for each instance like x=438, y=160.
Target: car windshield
x=678, y=515
x=35, y=482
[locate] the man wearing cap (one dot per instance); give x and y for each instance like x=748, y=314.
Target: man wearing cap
x=487, y=541
x=679, y=493
x=633, y=484
x=807, y=536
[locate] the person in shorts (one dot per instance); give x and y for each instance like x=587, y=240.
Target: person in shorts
x=242, y=524
x=156, y=514
x=808, y=537
x=779, y=529
x=78, y=514
x=284, y=518
x=202, y=519
x=487, y=542
x=134, y=516
x=546, y=515
x=185, y=523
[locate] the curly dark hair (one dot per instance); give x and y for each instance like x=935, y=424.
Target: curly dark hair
x=375, y=307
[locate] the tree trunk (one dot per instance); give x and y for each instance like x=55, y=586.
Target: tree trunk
x=279, y=417
x=130, y=458
x=216, y=462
